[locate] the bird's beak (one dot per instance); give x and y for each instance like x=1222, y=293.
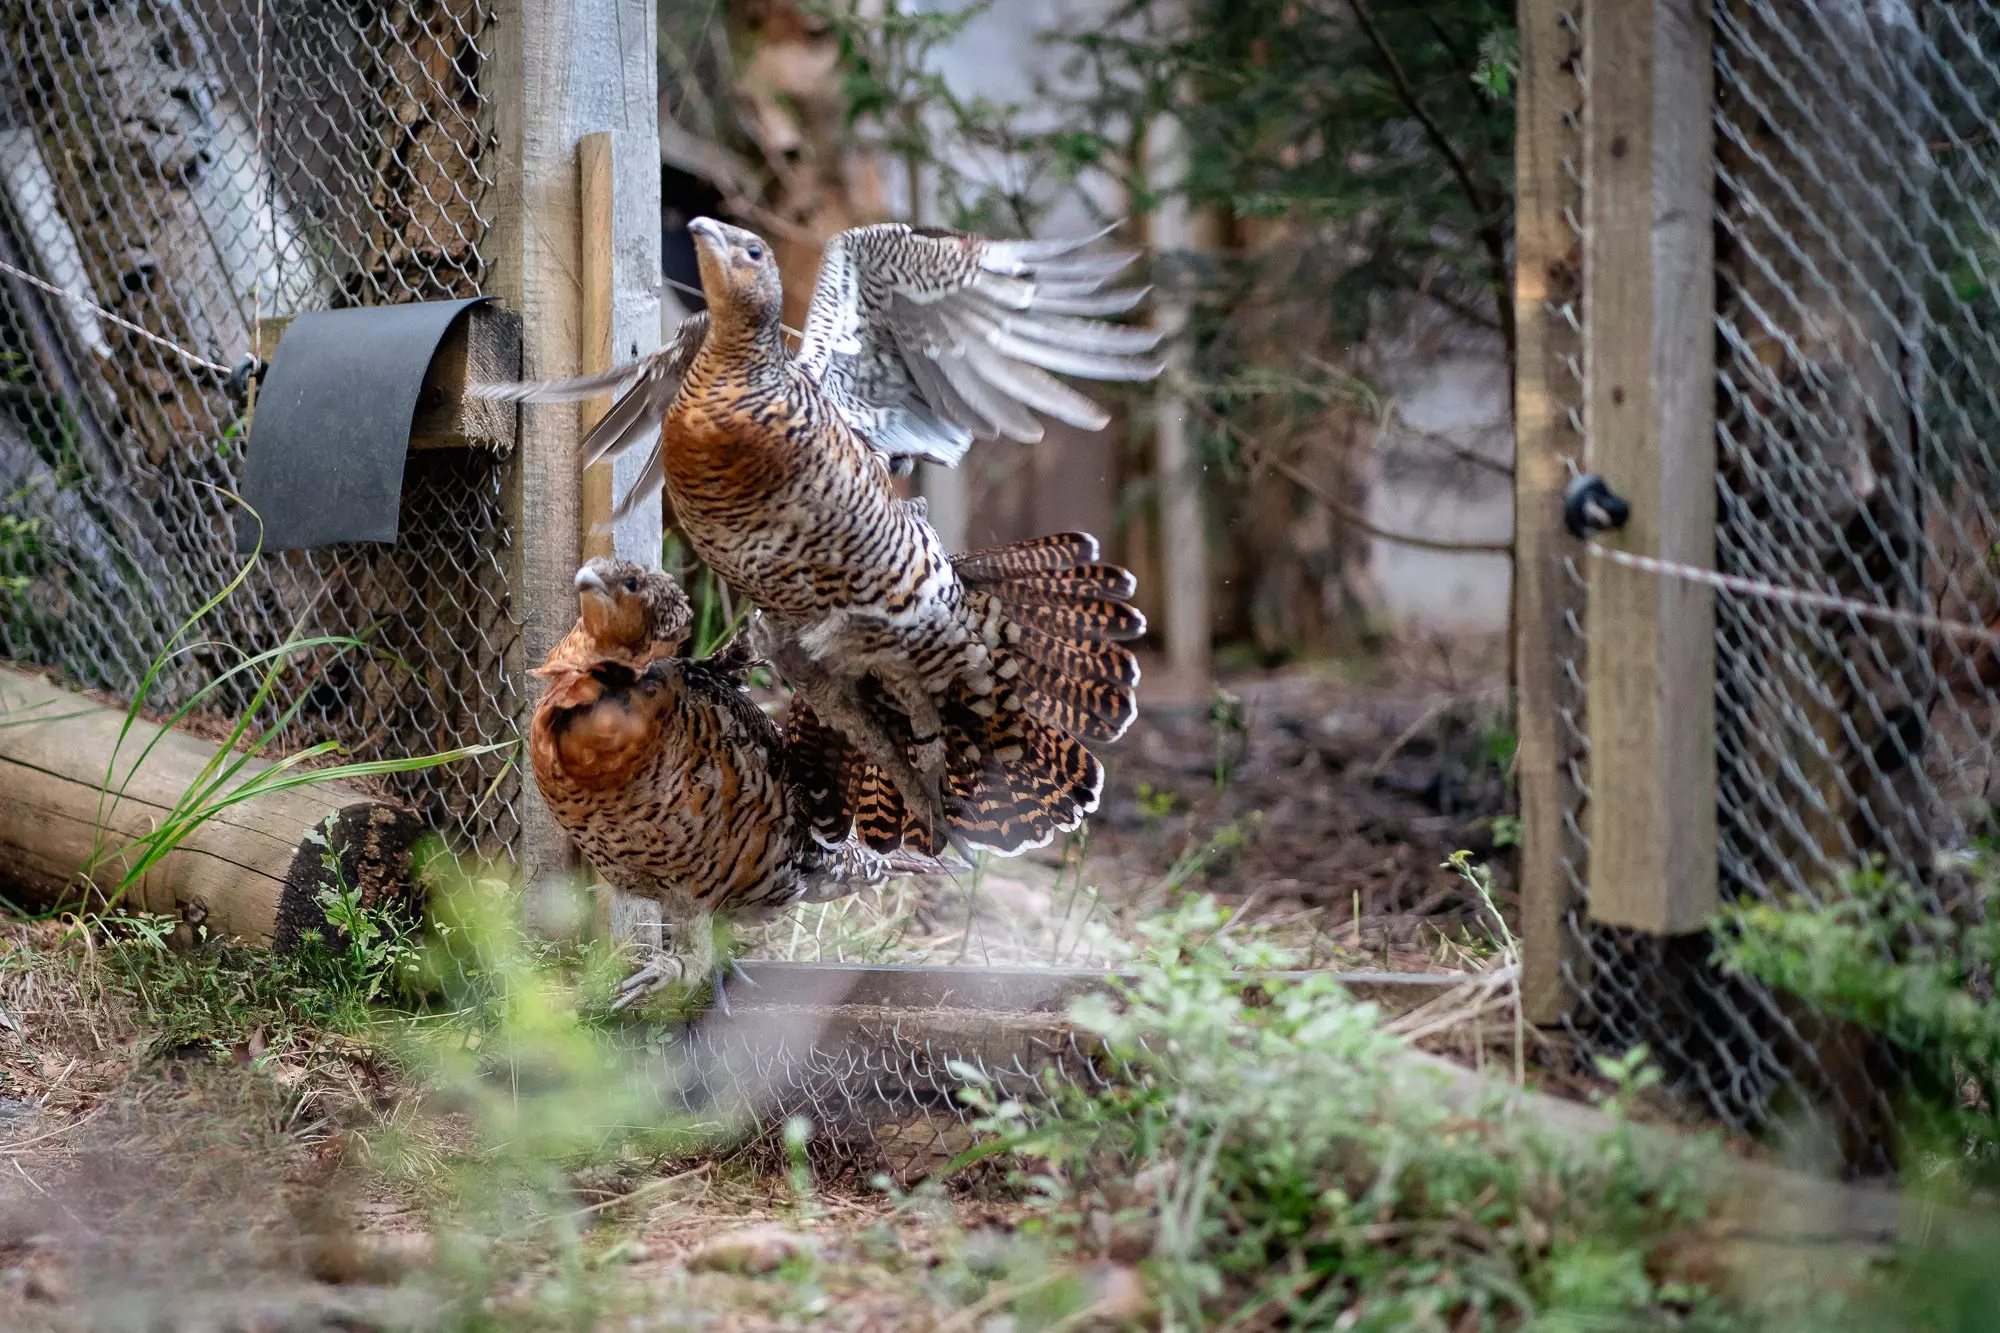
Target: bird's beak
x=709, y=230
x=588, y=580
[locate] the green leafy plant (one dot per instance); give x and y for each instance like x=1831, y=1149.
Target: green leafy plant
x=198, y=992
x=1231, y=728
x=717, y=617
x=892, y=88
x=379, y=955
x=1878, y=954
x=1155, y=803
x=1269, y=1148
x=1499, y=63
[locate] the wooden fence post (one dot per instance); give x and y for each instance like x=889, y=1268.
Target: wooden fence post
x=619, y=266
x=1187, y=624
x=1547, y=151
x=1649, y=292
x=560, y=70
x=597, y=348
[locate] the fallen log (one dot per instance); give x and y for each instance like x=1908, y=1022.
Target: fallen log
x=254, y=871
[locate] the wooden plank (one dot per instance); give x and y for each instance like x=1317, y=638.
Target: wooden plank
x=1004, y=989
x=1649, y=292
x=271, y=332
x=619, y=268
x=1545, y=272
x=484, y=346
x=594, y=352
x=637, y=291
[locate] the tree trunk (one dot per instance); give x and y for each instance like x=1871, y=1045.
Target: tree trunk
x=1173, y=231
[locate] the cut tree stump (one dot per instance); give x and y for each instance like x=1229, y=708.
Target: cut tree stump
x=253, y=872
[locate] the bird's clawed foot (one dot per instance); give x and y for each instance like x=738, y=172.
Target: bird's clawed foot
x=725, y=973
x=687, y=954
x=657, y=970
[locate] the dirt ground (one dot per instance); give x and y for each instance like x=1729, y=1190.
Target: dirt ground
x=1348, y=793
x=168, y=1190
x=144, y=1187
x=1319, y=803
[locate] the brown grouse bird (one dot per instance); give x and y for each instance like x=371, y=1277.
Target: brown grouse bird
x=968, y=685
x=673, y=782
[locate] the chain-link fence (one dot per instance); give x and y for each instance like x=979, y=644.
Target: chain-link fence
x=1857, y=186
x=200, y=167
x=884, y=1093
x=197, y=168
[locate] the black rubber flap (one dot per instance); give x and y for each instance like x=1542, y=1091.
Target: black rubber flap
x=332, y=425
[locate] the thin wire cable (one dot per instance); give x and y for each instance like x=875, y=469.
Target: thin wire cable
x=193, y=358
x=1778, y=592
x=266, y=216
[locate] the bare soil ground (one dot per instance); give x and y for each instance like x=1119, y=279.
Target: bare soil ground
x=1345, y=794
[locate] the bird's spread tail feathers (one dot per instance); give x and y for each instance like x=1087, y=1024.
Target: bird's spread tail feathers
x=1017, y=770
x=1062, y=620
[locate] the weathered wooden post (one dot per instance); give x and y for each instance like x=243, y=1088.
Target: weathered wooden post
x=1548, y=150
x=1648, y=266
x=559, y=72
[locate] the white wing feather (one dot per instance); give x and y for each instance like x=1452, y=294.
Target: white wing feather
x=928, y=340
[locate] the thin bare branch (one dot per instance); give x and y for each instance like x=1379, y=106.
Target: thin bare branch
x=1353, y=517
x=1491, y=234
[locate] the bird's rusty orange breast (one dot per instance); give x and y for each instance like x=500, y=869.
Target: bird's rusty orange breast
x=587, y=739
x=729, y=444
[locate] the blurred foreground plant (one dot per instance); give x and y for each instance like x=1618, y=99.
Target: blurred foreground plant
x=1877, y=954
x=1267, y=1148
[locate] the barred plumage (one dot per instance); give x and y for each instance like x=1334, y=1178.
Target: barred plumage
x=1016, y=772
x=923, y=340
x=673, y=783
x=916, y=343
x=1038, y=555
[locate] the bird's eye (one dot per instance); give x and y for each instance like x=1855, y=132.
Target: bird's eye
x=755, y=252
x=630, y=585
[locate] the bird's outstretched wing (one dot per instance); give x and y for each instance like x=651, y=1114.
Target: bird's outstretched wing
x=645, y=390
x=926, y=340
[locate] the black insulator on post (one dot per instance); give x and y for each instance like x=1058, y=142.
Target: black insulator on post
x=250, y=370
x=1591, y=506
